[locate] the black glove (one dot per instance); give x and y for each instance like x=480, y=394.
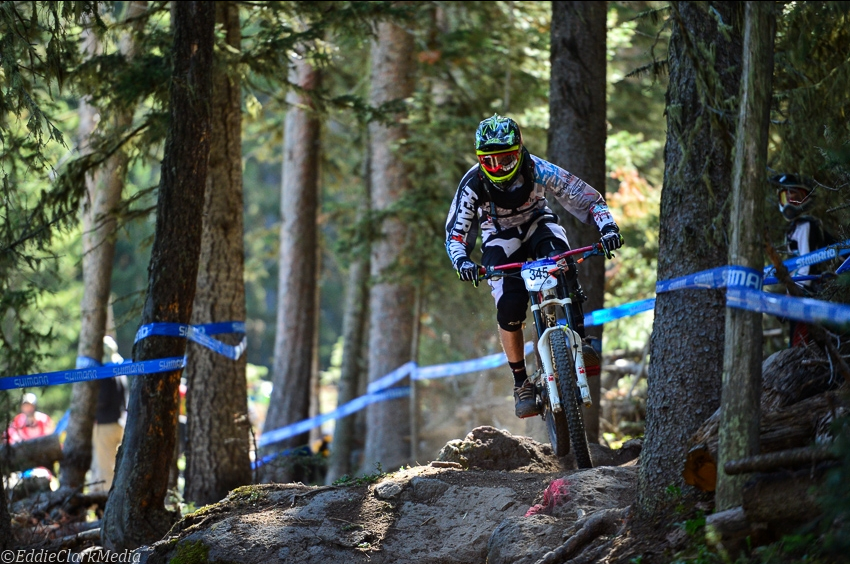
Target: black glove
x=468, y=271
x=611, y=239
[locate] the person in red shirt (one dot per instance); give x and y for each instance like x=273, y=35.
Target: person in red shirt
x=29, y=423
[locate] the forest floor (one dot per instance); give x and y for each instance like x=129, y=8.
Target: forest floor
x=491, y=497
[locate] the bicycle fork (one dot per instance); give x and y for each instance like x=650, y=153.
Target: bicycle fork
x=545, y=350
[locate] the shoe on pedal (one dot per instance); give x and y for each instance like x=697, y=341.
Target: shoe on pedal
x=592, y=362
x=525, y=401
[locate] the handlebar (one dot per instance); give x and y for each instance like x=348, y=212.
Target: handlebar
x=586, y=252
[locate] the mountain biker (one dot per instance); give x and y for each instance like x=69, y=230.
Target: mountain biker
x=504, y=196
x=804, y=234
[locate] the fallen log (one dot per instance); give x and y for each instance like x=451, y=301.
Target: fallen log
x=42, y=451
x=787, y=378
x=794, y=426
x=784, y=499
x=69, y=499
x=792, y=458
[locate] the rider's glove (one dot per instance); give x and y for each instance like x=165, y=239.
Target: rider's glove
x=611, y=239
x=468, y=271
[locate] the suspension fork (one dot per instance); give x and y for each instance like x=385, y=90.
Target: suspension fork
x=544, y=354
x=574, y=342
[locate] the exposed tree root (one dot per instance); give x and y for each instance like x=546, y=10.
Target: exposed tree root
x=607, y=521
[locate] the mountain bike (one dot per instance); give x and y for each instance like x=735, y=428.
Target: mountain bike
x=560, y=381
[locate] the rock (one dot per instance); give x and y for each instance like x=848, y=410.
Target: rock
x=590, y=491
x=496, y=449
x=388, y=490
x=604, y=456
x=523, y=540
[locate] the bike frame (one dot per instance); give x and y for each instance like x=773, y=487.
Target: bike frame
x=540, y=302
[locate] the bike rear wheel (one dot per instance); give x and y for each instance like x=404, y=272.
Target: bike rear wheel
x=568, y=388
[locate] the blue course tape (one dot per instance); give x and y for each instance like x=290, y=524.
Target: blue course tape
x=721, y=277
x=294, y=429
x=93, y=373
x=601, y=316
x=845, y=267
x=63, y=423
x=800, y=309
x=463, y=367
x=199, y=334
x=815, y=257
x=385, y=382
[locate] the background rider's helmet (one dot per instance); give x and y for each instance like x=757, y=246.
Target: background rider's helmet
x=498, y=145
x=794, y=193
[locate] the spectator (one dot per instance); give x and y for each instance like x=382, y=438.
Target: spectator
x=29, y=423
x=109, y=419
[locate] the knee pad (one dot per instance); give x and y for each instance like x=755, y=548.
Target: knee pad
x=510, y=311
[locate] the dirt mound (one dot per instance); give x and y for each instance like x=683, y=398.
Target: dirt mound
x=496, y=449
x=419, y=515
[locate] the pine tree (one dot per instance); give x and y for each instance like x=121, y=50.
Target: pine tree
x=135, y=513
x=297, y=307
x=217, y=436
x=686, y=351
x=577, y=130
x=741, y=406
x=391, y=300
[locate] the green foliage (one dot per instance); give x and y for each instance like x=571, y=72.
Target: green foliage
x=190, y=553
x=363, y=480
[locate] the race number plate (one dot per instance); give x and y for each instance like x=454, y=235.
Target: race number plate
x=537, y=277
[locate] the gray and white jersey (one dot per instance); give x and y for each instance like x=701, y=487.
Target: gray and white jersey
x=471, y=209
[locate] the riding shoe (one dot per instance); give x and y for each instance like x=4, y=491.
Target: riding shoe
x=525, y=401
x=592, y=363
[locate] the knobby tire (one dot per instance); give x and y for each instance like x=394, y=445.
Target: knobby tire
x=568, y=388
x=556, y=426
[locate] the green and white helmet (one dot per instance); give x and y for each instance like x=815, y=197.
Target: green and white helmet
x=498, y=145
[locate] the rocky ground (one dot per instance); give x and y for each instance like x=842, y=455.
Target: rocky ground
x=487, y=498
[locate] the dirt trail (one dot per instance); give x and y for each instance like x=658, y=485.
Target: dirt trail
x=468, y=507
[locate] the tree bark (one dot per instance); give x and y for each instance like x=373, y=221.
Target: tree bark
x=103, y=195
x=5, y=519
x=353, y=339
x=577, y=131
x=741, y=391
x=298, y=282
x=135, y=514
x=391, y=300
x=687, y=356
x=218, y=437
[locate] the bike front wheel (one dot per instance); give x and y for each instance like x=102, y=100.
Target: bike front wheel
x=568, y=388
x=557, y=428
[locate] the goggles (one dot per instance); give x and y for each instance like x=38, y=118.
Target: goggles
x=793, y=196
x=500, y=162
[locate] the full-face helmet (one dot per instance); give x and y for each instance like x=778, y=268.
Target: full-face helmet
x=498, y=145
x=794, y=193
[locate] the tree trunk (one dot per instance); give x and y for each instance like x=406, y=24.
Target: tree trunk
x=5, y=518
x=390, y=299
x=740, y=405
x=353, y=339
x=218, y=438
x=103, y=191
x=135, y=514
x=298, y=282
x=686, y=347
x=577, y=131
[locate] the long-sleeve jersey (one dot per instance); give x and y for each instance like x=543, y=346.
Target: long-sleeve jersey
x=479, y=205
